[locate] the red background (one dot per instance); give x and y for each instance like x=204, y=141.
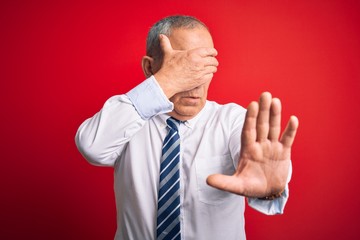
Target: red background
x=62, y=60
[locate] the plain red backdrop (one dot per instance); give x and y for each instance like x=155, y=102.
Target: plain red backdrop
x=61, y=60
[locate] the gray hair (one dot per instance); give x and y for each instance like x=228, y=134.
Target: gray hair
x=165, y=26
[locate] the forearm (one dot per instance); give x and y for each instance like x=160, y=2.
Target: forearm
x=102, y=138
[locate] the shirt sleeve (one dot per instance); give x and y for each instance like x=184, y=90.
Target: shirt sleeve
x=272, y=207
x=149, y=99
x=102, y=138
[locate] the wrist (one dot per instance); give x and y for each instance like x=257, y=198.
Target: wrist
x=164, y=84
x=273, y=196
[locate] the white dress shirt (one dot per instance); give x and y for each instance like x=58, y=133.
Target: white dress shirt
x=128, y=134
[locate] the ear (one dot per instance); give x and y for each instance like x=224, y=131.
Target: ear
x=147, y=64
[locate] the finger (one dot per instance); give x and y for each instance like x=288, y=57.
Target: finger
x=262, y=124
x=210, y=61
x=206, y=52
x=165, y=43
x=248, y=135
x=289, y=134
x=209, y=69
x=226, y=183
x=275, y=119
x=206, y=78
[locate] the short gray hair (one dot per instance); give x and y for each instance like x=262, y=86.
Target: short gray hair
x=165, y=26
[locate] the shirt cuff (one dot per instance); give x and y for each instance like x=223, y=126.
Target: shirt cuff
x=149, y=99
x=270, y=207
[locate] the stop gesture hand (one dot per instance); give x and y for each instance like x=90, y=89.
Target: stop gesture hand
x=265, y=155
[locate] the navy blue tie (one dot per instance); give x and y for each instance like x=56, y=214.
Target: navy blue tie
x=168, y=218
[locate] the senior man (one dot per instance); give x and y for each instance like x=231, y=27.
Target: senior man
x=183, y=164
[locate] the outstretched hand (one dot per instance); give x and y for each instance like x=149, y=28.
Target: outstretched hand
x=265, y=155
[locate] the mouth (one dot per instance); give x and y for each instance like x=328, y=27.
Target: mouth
x=191, y=101
x=193, y=97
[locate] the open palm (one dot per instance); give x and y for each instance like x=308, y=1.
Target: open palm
x=265, y=155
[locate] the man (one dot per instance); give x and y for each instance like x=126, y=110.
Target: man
x=186, y=177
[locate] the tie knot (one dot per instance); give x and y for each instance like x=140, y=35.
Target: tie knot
x=173, y=123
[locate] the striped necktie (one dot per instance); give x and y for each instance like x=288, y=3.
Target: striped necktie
x=168, y=218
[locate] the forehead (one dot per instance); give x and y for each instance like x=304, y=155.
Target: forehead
x=189, y=38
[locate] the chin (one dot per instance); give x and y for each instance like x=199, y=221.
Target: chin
x=186, y=113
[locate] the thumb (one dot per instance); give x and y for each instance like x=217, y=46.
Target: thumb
x=225, y=183
x=165, y=43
